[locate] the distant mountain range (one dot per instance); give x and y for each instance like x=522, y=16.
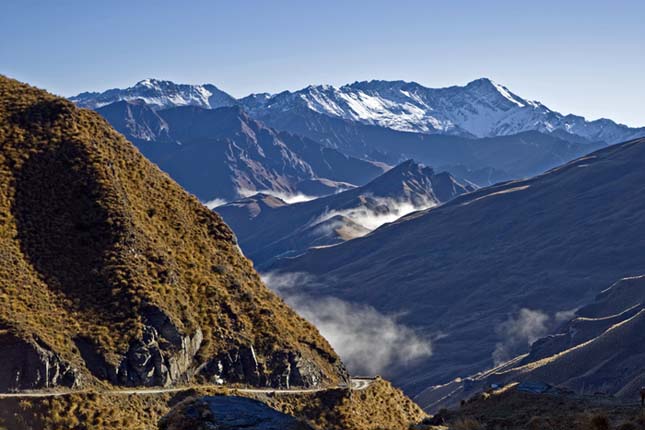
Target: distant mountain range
x=462, y=272
x=268, y=228
x=483, y=161
x=482, y=132
x=482, y=108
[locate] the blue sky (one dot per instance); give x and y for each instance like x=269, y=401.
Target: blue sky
x=584, y=57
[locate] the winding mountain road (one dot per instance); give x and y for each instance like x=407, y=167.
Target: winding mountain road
x=356, y=384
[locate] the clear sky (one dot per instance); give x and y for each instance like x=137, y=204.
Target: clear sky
x=578, y=56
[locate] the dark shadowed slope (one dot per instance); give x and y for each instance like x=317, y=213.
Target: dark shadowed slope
x=267, y=228
x=483, y=161
x=462, y=270
x=600, y=350
x=224, y=154
x=109, y=271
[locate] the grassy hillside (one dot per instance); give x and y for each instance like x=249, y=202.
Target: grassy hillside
x=378, y=407
x=104, y=260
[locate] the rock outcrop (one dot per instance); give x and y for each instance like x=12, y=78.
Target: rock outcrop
x=284, y=369
x=28, y=363
x=162, y=356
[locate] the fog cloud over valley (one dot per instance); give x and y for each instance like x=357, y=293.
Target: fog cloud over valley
x=368, y=341
x=212, y=204
x=520, y=331
x=288, y=198
x=380, y=211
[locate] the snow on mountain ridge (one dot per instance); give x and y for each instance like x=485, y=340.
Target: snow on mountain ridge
x=481, y=108
x=159, y=94
x=408, y=106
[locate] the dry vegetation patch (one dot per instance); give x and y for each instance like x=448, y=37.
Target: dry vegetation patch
x=379, y=407
x=91, y=233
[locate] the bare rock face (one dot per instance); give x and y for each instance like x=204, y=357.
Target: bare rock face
x=228, y=413
x=293, y=370
x=240, y=365
x=161, y=357
x=29, y=364
x=151, y=361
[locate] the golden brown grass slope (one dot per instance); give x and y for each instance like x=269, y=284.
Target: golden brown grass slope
x=85, y=411
x=379, y=407
x=93, y=236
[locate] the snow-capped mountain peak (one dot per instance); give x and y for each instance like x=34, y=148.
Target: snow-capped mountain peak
x=150, y=83
x=499, y=89
x=481, y=108
x=159, y=94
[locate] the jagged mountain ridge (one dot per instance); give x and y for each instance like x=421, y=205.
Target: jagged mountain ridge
x=482, y=161
x=549, y=243
x=224, y=154
x=113, y=274
x=482, y=108
x=136, y=120
x=268, y=228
